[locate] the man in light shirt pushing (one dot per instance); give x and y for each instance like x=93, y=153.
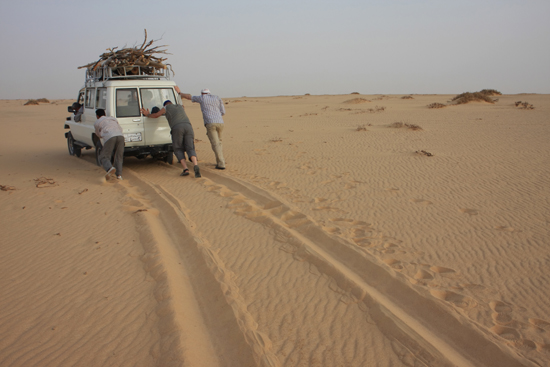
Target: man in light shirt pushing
x=212, y=111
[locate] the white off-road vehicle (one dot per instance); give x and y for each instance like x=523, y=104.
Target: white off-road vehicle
x=122, y=92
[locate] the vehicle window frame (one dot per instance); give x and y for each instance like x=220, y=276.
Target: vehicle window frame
x=118, y=108
x=98, y=93
x=89, y=97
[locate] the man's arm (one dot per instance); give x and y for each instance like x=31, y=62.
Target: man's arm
x=153, y=115
x=222, y=108
x=97, y=129
x=182, y=95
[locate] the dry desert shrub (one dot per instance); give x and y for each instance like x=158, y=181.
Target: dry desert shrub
x=524, y=105
x=362, y=128
x=31, y=102
x=490, y=92
x=356, y=101
x=436, y=105
x=355, y=93
x=407, y=97
x=45, y=182
x=399, y=125
x=472, y=97
x=376, y=109
x=423, y=152
x=276, y=140
x=42, y=100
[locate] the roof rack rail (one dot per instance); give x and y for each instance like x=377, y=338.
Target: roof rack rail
x=127, y=72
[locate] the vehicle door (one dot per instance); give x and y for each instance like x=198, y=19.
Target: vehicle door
x=157, y=131
x=78, y=129
x=129, y=117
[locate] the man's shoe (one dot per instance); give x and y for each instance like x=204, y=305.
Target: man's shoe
x=111, y=174
x=218, y=167
x=197, y=171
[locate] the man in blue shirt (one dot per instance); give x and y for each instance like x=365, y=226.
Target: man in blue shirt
x=212, y=111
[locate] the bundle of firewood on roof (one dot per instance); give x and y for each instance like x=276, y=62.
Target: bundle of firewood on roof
x=143, y=56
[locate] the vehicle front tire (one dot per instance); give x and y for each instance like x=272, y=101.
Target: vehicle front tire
x=73, y=148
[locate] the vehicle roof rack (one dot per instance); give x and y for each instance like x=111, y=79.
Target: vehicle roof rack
x=126, y=72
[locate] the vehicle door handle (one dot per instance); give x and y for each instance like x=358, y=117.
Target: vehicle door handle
x=136, y=120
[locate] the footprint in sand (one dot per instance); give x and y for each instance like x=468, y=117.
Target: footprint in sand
x=441, y=270
x=507, y=229
x=501, y=318
x=500, y=307
x=393, y=263
x=456, y=299
x=342, y=221
x=540, y=323
x=423, y=275
x=362, y=242
x=333, y=230
x=392, y=190
x=469, y=211
x=506, y=332
x=421, y=201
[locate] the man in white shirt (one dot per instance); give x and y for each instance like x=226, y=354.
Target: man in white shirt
x=109, y=130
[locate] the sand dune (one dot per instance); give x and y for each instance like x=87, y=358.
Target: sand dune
x=332, y=238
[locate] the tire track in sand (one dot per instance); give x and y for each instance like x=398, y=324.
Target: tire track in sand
x=194, y=325
x=428, y=329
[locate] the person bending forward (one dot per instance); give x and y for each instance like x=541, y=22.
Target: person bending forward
x=108, y=129
x=183, y=137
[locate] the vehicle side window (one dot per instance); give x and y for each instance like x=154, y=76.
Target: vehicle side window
x=127, y=103
x=90, y=93
x=101, y=98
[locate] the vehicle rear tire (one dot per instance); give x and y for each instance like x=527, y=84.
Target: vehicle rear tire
x=98, y=148
x=73, y=148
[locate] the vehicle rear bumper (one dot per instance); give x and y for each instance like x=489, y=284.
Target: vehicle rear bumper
x=144, y=151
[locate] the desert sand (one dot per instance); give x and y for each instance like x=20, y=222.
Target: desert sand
x=335, y=237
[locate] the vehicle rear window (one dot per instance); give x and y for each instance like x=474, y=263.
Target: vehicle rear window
x=127, y=103
x=155, y=97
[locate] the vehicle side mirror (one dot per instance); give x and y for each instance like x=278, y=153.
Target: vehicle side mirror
x=70, y=109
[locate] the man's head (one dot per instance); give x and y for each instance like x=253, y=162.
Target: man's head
x=99, y=112
x=205, y=91
x=167, y=102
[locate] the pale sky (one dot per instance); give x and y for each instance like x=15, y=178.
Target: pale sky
x=268, y=48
